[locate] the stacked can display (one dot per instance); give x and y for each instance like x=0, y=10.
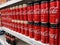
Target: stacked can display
x=37, y=19
x=25, y=19
x=54, y=22
x=44, y=21
x=30, y=10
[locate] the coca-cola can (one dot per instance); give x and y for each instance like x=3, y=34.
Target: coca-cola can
x=53, y=34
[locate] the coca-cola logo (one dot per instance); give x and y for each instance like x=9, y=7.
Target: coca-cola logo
x=30, y=12
x=53, y=9
x=45, y=33
x=24, y=12
x=31, y=30
x=44, y=11
x=53, y=36
x=37, y=31
x=37, y=11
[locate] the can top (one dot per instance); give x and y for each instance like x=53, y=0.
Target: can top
x=37, y=2
x=24, y=5
x=54, y=0
x=11, y=8
x=30, y=3
x=20, y=6
x=16, y=6
x=44, y=1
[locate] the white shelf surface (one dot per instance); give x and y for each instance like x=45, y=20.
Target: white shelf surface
x=23, y=37
x=9, y=3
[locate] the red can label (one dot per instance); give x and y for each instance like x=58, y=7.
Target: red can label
x=37, y=33
x=25, y=18
x=21, y=12
x=31, y=31
x=54, y=12
x=45, y=34
x=36, y=15
x=21, y=19
x=25, y=13
x=53, y=36
x=44, y=12
x=30, y=13
x=26, y=29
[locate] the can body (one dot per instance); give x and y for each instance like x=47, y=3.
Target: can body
x=44, y=34
x=53, y=36
x=54, y=21
x=44, y=22
x=30, y=9
x=21, y=18
x=25, y=19
x=44, y=11
x=36, y=19
x=54, y=12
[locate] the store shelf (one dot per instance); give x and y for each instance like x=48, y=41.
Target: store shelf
x=23, y=37
x=9, y=3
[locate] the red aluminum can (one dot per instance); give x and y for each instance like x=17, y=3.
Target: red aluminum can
x=44, y=22
x=54, y=20
x=30, y=10
x=2, y=16
x=31, y=31
x=44, y=11
x=21, y=18
x=54, y=11
x=8, y=15
x=12, y=11
x=26, y=29
x=10, y=19
x=36, y=18
x=44, y=34
x=53, y=36
x=37, y=33
x=25, y=12
x=6, y=21
x=25, y=18
x=7, y=18
x=16, y=18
